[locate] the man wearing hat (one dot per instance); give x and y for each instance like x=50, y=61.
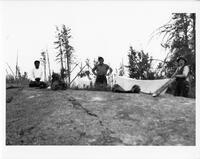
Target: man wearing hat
x=37, y=76
x=182, y=78
x=101, y=71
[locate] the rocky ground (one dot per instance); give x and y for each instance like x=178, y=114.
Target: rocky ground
x=74, y=117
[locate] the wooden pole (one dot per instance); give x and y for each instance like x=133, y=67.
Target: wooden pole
x=74, y=67
x=68, y=70
x=48, y=65
x=194, y=32
x=7, y=72
x=16, y=67
x=11, y=70
x=165, y=85
x=78, y=74
x=45, y=69
x=61, y=58
x=45, y=73
x=43, y=54
x=89, y=65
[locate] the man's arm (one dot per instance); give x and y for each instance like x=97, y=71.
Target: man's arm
x=185, y=72
x=174, y=75
x=110, y=70
x=93, y=70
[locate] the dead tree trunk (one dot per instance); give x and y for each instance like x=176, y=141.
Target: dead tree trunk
x=49, y=66
x=68, y=71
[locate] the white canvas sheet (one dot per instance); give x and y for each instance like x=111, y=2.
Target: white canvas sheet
x=146, y=86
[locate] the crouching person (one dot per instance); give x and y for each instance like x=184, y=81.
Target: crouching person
x=57, y=83
x=37, y=74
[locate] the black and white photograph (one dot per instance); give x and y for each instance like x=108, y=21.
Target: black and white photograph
x=99, y=74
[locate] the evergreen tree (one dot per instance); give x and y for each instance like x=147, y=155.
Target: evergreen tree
x=65, y=51
x=139, y=64
x=68, y=50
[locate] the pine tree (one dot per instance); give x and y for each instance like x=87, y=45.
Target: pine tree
x=139, y=64
x=68, y=50
x=65, y=51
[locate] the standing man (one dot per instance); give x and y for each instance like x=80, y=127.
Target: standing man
x=182, y=78
x=36, y=78
x=101, y=71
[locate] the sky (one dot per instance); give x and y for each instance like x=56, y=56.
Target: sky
x=104, y=29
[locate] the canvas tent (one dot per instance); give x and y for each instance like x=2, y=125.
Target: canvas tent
x=83, y=82
x=146, y=86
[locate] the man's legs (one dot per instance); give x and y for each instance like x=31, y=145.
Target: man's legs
x=97, y=82
x=43, y=85
x=182, y=88
x=101, y=82
x=177, y=91
x=105, y=81
x=185, y=88
x=38, y=84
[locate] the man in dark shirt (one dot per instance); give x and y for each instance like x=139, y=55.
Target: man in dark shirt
x=101, y=71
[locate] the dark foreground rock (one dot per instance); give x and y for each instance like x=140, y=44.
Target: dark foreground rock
x=45, y=117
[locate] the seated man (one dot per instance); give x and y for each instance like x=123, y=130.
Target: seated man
x=100, y=71
x=37, y=76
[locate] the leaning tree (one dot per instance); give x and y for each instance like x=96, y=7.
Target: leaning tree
x=179, y=36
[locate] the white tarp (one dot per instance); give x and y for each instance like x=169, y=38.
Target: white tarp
x=146, y=86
